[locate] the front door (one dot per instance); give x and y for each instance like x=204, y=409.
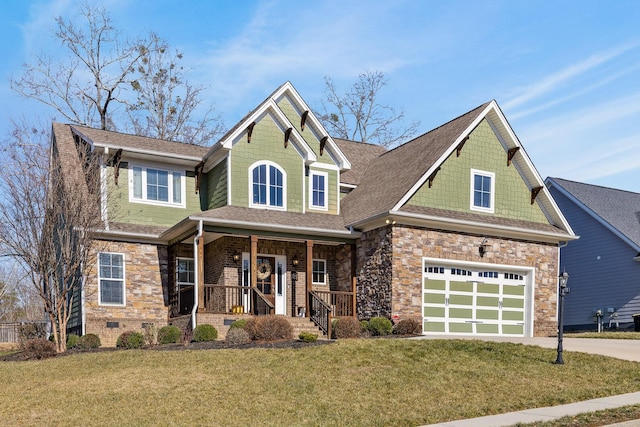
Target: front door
x=271, y=280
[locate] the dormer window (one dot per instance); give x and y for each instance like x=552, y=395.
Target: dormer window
x=482, y=191
x=156, y=185
x=268, y=185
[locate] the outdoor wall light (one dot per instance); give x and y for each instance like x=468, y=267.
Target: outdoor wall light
x=295, y=261
x=483, y=248
x=236, y=257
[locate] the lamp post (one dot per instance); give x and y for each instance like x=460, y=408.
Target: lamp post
x=563, y=278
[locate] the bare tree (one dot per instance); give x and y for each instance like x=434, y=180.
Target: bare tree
x=17, y=301
x=49, y=214
x=358, y=115
x=168, y=101
x=83, y=87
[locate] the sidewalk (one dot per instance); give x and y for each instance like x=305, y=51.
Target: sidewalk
x=550, y=413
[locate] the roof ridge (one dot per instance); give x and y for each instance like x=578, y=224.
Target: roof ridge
x=594, y=185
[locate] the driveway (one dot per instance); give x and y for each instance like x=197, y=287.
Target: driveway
x=620, y=349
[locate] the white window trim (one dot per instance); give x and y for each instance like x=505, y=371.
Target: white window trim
x=179, y=283
x=324, y=262
x=472, y=206
x=324, y=207
x=171, y=173
x=124, y=281
x=284, y=187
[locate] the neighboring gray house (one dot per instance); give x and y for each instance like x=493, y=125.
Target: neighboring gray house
x=604, y=264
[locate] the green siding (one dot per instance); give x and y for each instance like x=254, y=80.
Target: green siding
x=216, y=183
x=311, y=139
x=451, y=186
x=267, y=143
x=332, y=185
x=122, y=210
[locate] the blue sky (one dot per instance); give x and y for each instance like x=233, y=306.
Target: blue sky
x=565, y=73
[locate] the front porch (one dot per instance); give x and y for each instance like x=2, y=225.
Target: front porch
x=228, y=275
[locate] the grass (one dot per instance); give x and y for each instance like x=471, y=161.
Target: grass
x=606, y=335
x=378, y=382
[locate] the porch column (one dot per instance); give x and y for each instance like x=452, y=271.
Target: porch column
x=308, y=276
x=354, y=281
x=200, y=283
x=253, y=260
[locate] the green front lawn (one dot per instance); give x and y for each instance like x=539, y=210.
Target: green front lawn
x=375, y=382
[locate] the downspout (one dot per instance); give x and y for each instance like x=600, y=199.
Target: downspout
x=196, y=277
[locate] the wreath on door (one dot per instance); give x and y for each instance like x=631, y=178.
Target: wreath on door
x=264, y=270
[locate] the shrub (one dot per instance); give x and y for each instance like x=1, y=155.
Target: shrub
x=237, y=336
x=204, y=333
x=73, y=341
x=31, y=331
x=269, y=328
x=380, y=326
x=38, y=348
x=346, y=327
x=407, y=327
x=89, y=341
x=308, y=337
x=364, y=326
x=130, y=339
x=169, y=335
x=238, y=324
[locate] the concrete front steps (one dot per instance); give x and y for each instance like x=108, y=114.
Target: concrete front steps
x=303, y=324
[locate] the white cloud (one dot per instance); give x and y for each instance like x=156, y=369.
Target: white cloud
x=563, y=77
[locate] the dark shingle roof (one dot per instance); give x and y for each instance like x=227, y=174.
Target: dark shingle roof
x=390, y=176
x=266, y=218
x=359, y=154
x=122, y=140
x=619, y=208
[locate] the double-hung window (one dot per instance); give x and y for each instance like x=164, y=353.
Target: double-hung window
x=185, y=273
x=482, y=191
x=156, y=186
x=318, y=190
x=268, y=185
x=111, y=278
x=319, y=273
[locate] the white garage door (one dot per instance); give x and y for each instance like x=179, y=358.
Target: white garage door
x=478, y=299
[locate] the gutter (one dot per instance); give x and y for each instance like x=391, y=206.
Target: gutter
x=286, y=228
x=196, y=269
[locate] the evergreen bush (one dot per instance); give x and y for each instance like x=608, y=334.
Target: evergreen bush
x=203, y=333
x=169, y=335
x=380, y=326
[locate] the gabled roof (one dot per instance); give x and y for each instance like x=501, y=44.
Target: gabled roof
x=360, y=154
x=136, y=144
x=617, y=210
x=392, y=178
x=270, y=106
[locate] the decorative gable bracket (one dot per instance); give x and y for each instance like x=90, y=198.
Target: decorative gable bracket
x=433, y=176
x=512, y=152
x=534, y=193
x=115, y=162
x=323, y=142
x=250, y=131
x=287, y=134
x=303, y=119
x=459, y=147
x=199, y=169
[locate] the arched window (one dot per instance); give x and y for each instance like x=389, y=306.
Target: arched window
x=268, y=185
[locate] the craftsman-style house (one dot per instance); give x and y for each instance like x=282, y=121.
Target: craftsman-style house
x=454, y=228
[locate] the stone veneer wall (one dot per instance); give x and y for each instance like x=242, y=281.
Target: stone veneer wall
x=146, y=288
x=374, y=274
x=410, y=245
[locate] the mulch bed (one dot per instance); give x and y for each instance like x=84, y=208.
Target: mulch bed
x=211, y=345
